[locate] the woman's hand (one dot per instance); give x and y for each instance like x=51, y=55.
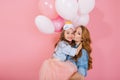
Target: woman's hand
x=77, y=76
x=78, y=49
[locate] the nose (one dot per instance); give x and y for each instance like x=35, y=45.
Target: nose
x=71, y=35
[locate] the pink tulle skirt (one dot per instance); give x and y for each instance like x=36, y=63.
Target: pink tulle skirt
x=54, y=69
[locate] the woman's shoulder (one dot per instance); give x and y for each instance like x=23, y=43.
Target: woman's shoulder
x=84, y=52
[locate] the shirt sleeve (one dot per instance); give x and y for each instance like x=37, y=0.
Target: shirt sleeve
x=67, y=49
x=82, y=63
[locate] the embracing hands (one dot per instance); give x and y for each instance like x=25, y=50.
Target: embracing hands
x=78, y=49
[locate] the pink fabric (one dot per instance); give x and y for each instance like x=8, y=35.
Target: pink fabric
x=53, y=69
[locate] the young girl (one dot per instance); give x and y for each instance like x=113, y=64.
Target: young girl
x=57, y=68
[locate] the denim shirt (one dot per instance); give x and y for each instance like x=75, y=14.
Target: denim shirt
x=81, y=63
x=63, y=49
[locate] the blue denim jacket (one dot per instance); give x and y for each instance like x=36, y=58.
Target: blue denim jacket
x=81, y=63
x=63, y=49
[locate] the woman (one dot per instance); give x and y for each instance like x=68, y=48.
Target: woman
x=83, y=59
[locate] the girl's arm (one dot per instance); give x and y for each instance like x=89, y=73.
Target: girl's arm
x=66, y=48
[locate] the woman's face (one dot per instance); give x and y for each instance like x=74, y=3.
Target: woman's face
x=78, y=34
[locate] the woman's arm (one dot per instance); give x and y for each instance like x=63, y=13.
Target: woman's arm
x=82, y=66
x=82, y=63
x=77, y=76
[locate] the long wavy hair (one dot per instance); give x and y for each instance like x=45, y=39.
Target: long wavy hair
x=86, y=41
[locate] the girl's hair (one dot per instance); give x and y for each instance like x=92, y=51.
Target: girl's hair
x=86, y=41
x=62, y=38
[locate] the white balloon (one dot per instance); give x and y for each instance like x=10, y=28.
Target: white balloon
x=85, y=6
x=75, y=20
x=44, y=24
x=80, y=20
x=84, y=19
x=66, y=8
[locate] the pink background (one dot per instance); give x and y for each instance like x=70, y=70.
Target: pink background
x=23, y=47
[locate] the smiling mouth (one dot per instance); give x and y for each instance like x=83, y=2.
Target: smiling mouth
x=69, y=39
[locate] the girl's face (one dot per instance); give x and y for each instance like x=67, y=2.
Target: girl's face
x=69, y=34
x=78, y=34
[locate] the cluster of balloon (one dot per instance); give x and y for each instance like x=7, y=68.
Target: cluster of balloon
x=54, y=13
